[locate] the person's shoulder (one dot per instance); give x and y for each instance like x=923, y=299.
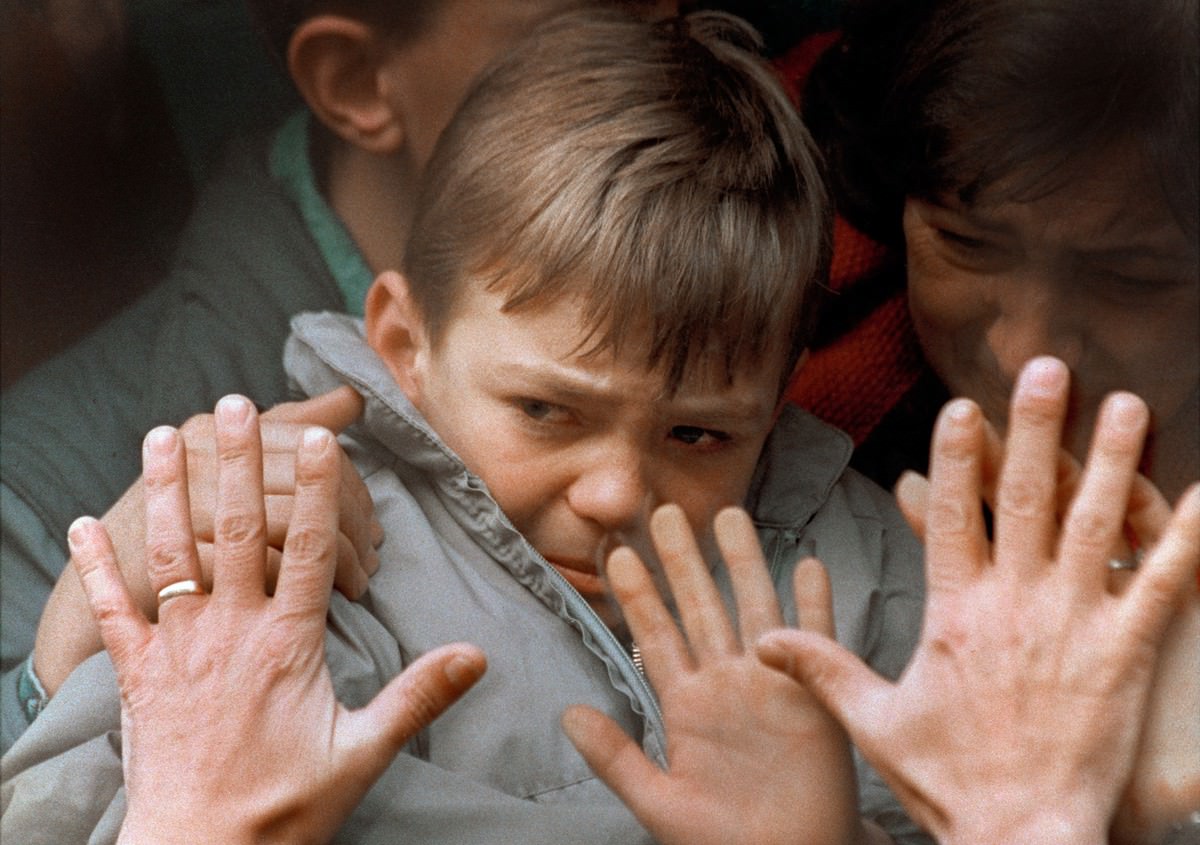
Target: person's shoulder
x=800, y=465
x=805, y=485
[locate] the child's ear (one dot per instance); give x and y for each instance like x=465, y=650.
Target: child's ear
x=337, y=64
x=396, y=331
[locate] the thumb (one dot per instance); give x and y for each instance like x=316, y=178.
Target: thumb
x=845, y=686
x=333, y=410
x=411, y=701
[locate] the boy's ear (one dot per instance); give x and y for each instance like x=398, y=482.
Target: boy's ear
x=396, y=331
x=336, y=63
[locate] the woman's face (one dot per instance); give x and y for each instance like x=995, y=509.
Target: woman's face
x=1097, y=273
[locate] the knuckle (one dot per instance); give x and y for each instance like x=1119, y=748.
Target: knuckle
x=162, y=556
x=1091, y=527
x=949, y=515
x=160, y=477
x=424, y=703
x=282, y=652
x=1024, y=497
x=240, y=529
x=1037, y=410
x=237, y=453
x=106, y=613
x=307, y=542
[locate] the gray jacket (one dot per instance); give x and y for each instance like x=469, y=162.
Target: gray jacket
x=497, y=767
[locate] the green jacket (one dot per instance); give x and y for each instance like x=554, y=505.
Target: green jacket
x=255, y=252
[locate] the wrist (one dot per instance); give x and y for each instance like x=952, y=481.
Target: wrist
x=1050, y=827
x=67, y=633
x=154, y=829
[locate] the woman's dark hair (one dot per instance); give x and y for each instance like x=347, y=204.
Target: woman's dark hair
x=929, y=97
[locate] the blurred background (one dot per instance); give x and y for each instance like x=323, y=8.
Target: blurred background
x=111, y=112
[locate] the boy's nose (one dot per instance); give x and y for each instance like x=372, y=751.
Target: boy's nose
x=1029, y=322
x=611, y=490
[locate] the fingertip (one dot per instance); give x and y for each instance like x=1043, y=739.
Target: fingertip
x=960, y=411
x=773, y=649
x=465, y=667
x=810, y=571
x=81, y=533
x=80, y=525
x=1125, y=411
x=957, y=431
x=911, y=486
x=350, y=401
x=1044, y=374
x=575, y=720
x=317, y=439
x=666, y=517
x=160, y=441
x=234, y=409
x=912, y=497
x=731, y=518
x=813, y=576
x=1189, y=500
x=622, y=566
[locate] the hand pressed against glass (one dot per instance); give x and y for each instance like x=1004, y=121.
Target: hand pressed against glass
x=1019, y=715
x=228, y=698
x=752, y=758
x=65, y=635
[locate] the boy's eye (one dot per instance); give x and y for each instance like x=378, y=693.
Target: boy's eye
x=695, y=436
x=536, y=409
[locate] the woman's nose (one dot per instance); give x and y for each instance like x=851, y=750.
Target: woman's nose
x=1029, y=320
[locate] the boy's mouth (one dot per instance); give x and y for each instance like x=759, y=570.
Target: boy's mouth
x=581, y=576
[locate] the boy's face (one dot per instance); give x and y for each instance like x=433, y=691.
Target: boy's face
x=577, y=448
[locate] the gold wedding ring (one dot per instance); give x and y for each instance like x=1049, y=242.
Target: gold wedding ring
x=180, y=588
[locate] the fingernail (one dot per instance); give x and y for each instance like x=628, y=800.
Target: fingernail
x=1126, y=411
x=960, y=410
x=317, y=438
x=376, y=533
x=1044, y=375
x=233, y=409
x=161, y=441
x=77, y=533
x=462, y=671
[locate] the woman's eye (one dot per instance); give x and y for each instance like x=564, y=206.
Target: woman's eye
x=691, y=435
x=961, y=241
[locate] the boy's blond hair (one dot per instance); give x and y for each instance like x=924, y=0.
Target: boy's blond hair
x=656, y=171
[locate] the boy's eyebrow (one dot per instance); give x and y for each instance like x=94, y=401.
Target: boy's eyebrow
x=569, y=384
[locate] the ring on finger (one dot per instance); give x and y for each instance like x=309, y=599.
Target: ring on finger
x=188, y=587
x=1129, y=564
